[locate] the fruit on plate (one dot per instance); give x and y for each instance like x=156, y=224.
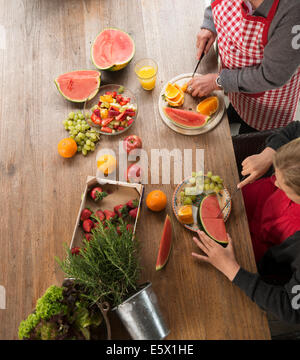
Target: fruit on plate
x=156, y=200
x=113, y=113
x=67, y=147
x=134, y=174
x=213, y=183
x=165, y=244
x=208, y=106
x=107, y=164
x=209, y=221
x=78, y=86
x=174, y=95
x=184, y=87
x=112, y=49
x=132, y=142
x=185, y=118
x=97, y=193
x=196, y=180
x=185, y=214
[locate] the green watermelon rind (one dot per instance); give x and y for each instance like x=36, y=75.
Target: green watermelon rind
x=183, y=126
x=90, y=97
x=162, y=265
x=114, y=67
x=202, y=226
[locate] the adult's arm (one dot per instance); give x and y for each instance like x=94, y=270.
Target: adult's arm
x=281, y=60
x=275, y=299
x=208, y=22
x=284, y=136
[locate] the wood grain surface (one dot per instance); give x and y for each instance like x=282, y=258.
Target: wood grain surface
x=40, y=192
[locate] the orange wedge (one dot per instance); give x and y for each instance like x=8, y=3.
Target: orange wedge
x=178, y=101
x=184, y=87
x=208, y=106
x=171, y=91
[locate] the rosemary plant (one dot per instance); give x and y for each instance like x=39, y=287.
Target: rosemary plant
x=107, y=266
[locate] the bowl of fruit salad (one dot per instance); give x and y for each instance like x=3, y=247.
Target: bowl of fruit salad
x=112, y=111
x=190, y=192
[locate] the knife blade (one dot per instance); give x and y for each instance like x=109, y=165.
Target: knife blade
x=198, y=63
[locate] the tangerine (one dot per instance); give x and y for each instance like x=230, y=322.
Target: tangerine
x=156, y=200
x=67, y=147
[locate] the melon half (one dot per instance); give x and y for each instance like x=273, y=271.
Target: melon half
x=78, y=86
x=112, y=50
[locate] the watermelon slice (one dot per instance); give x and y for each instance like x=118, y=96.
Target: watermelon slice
x=78, y=86
x=112, y=50
x=213, y=226
x=186, y=119
x=165, y=244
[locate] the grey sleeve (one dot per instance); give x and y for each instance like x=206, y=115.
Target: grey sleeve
x=287, y=134
x=208, y=22
x=281, y=60
x=276, y=299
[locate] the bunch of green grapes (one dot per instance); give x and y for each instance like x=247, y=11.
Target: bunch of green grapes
x=213, y=182
x=81, y=132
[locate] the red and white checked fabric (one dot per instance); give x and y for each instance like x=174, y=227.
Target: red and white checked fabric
x=241, y=40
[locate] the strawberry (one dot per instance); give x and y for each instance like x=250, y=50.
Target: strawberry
x=85, y=214
x=97, y=112
x=87, y=225
x=121, y=210
x=132, y=204
x=75, y=250
x=97, y=193
x=88, y=236
x=133, y=213
x=110, y=215
x=129, y=227
x=130, y=121
x=96, y=119
x=100, y=215
x=106, y=129
x=106, y=121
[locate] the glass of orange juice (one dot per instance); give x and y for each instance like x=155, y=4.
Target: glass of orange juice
x=146, y=70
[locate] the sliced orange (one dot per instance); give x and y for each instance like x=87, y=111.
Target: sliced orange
x=184, y=87
x=208, y=106
x=171, y=91
x=178, y=102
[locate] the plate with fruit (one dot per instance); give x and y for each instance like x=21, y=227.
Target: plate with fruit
x=186, y=114
x=189, y=193
x=113, y=111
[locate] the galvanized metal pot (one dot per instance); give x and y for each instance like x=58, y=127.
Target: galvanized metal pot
x=142, y=317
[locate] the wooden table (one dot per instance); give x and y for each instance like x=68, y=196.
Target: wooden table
x=40, y=191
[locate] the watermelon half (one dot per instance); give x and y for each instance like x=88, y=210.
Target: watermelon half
x=209, y=221
x=165, y=244
x=185, y=118
x=78, y=86
x=112, y=50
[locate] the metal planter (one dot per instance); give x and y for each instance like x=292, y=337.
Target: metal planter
x=142, y=317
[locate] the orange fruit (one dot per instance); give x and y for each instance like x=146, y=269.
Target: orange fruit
x=107, y=164
x=208, y=106
x=171, y=91
x=67, y=147
x=184, y=87
x=178, y=101
x=156, y=200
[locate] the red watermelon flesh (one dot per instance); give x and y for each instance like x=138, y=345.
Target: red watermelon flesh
x=112, y=47
x=213, y=226
x=165, y=244
x=78, y=86
x=186, y=118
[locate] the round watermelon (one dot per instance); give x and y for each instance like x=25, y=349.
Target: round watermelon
x=78, y=86
x=112, y=50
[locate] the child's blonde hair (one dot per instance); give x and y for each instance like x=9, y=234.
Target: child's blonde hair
x=287, y=160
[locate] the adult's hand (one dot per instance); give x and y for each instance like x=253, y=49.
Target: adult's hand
x=221, y=258
x=256, y=166
x=202, y=85
x=205, y=39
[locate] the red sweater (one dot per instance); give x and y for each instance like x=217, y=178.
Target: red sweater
x=272, y=216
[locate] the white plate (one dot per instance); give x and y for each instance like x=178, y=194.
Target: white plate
x=191, y=103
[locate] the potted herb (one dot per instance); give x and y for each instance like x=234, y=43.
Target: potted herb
x=107, y=267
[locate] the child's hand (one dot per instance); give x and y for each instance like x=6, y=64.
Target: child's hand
x=221, y=258
x=256, y=166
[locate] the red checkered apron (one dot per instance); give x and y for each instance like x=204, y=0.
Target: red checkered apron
x=241, y=40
